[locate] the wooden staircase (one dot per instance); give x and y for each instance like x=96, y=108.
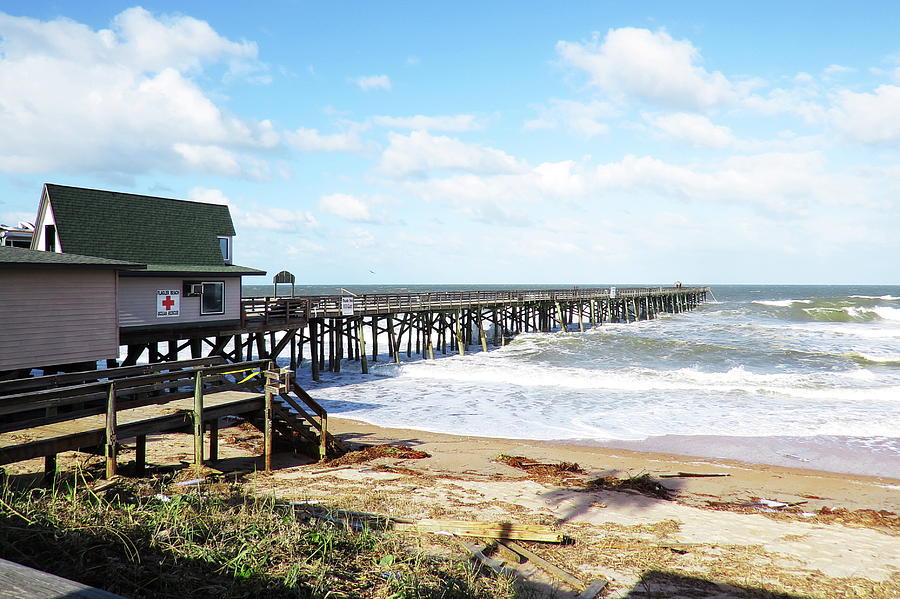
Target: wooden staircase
x=298, y=420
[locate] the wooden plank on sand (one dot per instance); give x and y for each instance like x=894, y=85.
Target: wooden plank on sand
x=487, y=530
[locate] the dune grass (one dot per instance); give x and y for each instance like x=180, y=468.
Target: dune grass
x=148, y=538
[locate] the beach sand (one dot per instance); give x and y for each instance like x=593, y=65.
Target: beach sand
x=739, y=545
x=841, y=538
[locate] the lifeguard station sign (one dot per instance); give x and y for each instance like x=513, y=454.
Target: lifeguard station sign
x=168, y=302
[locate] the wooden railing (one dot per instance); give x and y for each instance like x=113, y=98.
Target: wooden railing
x=46, y=400
x=281, y=309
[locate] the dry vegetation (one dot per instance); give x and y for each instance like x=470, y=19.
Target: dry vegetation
x=148, y=538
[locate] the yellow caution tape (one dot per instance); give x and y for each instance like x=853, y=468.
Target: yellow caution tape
x=249, y=376
x=246, y=378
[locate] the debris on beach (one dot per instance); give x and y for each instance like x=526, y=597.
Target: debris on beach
x=372, y=452
x=642, y=483
x=694, y=475
x=541, y=471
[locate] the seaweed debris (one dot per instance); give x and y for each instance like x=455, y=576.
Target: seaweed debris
x=642, y=483
x=372, y=452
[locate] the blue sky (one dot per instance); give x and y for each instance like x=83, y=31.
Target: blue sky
x=501, y=142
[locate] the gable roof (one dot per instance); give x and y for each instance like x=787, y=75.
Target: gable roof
x=13, y=257
x=145, y=229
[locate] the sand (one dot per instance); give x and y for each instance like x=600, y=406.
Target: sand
x=742, y=546
x=736, y=546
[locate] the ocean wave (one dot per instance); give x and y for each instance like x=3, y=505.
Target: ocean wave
x=887, y=298
x=781, y=303
x=817, y=386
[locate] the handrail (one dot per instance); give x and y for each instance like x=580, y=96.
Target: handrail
x=318, y=306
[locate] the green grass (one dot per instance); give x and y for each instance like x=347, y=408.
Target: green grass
x=130, y=540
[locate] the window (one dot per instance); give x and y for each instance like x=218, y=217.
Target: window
x=212, y=300
x=225, y=247
x=49, y=238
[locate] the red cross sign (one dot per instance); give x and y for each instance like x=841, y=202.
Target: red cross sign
x=168, y=303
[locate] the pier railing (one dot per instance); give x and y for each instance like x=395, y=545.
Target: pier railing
x=281, y=309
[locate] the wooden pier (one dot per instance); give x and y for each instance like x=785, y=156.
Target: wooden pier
x=324, y=330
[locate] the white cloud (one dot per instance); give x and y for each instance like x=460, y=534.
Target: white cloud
x=870, y=118
x=578, y=118
x=268, y=218
x=265, y=218
x=693, y=129
x=778, y=182
x=346, y=206
x=804, y=101
x=456, y=122
x=420, y=152
x=836, y=69
x=120, y=99
x=653, y=67
x=208, y=196
x=373, y=82
x=310, y=140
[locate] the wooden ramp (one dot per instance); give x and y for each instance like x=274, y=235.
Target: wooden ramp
x=90, y=431
x=21, y=582
x=94, y=411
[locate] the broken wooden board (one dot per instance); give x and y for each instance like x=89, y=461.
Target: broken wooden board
x=497, y=565
x=694, y=475
x=487, y=530
x=593, y=589
x=544, y=565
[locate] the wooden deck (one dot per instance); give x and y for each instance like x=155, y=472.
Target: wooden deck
x=90, y=431
x=21, y=582
x=95, y=410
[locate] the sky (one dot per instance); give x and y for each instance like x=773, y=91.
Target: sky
x=478, y=142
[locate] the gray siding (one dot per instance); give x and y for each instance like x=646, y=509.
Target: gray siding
x=137, y=301
x=56, y=317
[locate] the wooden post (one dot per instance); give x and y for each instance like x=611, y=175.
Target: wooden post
x=323, y=438
x=293, y=335
x=429, y=342
x=198, y=422
x=392, y=340
x=580, y=317
x=460, y=341
x=111, y=437
x=140, y=455
x=375, y=338
x=267, y=418
x=593, y=314
x=49, y=468
x=315, y=365
x=214, y=440
x=361, y=338
x=481, y=332
x=561, y=318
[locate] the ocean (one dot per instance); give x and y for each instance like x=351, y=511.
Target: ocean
x=805, y=376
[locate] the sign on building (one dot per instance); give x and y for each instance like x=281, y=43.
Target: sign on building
x=612, y=292
x=168, y=302
x=346, y=306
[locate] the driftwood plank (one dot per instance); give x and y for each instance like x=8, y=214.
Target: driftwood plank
x=544, y=565
x=487, y=530
x=21, y=582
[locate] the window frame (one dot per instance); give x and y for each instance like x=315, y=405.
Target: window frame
x=203, y=312
x=228, y=245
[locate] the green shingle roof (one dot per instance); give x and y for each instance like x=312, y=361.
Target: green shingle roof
x=145, y=229
x=22, y=257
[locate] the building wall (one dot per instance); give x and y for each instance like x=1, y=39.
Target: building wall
x=50, y=316
x=137, y=301
x=46, y=217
